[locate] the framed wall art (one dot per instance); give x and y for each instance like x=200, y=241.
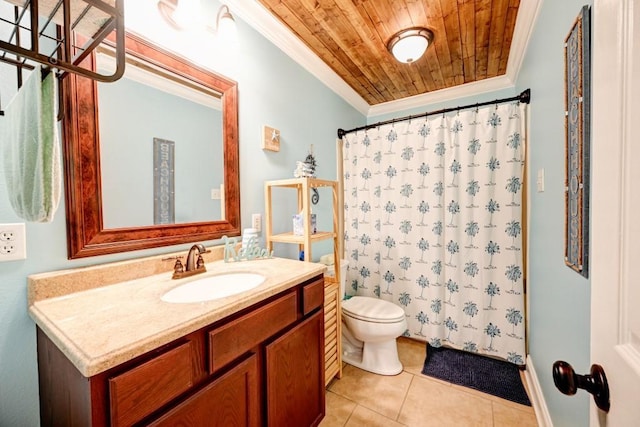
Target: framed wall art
x=578, y=138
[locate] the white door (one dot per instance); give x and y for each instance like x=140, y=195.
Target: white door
x=615, y=207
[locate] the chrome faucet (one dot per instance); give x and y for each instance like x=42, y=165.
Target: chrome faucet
x=194, y=264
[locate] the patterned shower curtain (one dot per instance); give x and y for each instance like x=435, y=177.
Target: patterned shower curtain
x=433, y=223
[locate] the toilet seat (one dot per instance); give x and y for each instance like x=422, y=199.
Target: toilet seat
x=372, y=310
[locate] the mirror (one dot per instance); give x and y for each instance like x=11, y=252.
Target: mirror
x=94, y=163
x=174, y=135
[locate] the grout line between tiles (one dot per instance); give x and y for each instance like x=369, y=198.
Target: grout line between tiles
x=352, y=412
x=350, y=415
x=405, y=396
x=350, y=400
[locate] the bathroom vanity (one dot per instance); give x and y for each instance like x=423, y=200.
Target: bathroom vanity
x=252, y=359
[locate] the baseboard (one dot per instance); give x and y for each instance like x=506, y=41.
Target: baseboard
x=537, y=398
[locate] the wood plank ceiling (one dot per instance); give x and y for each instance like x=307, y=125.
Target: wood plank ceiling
x=471, y=43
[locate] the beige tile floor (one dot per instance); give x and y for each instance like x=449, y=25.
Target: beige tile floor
x=360, y=398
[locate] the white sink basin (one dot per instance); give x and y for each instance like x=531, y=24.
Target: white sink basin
x=213, y=287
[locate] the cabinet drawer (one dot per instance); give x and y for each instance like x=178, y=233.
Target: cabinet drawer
x=312, y=296
x=231, y=400
x=145, y=388
x=240, y=335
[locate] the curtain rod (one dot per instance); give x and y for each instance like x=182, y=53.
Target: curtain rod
x=524, y=97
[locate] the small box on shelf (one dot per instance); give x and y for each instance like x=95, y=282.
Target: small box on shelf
x=298, y=224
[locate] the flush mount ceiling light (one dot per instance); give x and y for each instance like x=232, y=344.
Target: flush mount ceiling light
x=409, y=45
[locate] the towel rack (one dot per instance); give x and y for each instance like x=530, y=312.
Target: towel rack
x=49, y=32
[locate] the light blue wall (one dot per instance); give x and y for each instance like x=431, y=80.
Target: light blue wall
x=559, y=313
x=273, y=90
x=126, y=153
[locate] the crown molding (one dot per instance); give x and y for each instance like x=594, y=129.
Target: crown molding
x=528, y=12
x=259, y=18
x=468, y=89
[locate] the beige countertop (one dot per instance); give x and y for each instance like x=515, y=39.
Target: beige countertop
x=103, y=326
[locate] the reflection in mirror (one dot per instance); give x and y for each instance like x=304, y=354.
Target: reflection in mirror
x=174, y=136
x=114, y=169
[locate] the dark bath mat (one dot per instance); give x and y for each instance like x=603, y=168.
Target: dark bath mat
x=487, y=375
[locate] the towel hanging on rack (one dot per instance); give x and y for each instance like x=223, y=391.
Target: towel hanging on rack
x=31, y=151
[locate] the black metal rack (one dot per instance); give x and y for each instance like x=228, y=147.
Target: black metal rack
x=50, y=32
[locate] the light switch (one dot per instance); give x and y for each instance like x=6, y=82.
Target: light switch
x=256, y=222
x=540, y=180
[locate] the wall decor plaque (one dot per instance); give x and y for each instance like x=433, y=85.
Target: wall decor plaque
x=164, y=203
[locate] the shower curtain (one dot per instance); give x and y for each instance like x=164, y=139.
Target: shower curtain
x=433, y=223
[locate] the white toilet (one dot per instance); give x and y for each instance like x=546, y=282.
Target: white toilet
x=370, y=327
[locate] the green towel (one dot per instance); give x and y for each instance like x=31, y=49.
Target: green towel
x=31, y=150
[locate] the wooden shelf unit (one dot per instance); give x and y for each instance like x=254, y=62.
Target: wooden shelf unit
x=332, y=295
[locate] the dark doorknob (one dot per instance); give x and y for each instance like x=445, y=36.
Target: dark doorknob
x=568, y=382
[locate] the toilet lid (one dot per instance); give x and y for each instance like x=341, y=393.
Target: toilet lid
x=372, y=310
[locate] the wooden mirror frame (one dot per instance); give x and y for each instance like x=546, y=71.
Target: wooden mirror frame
x=86, y=235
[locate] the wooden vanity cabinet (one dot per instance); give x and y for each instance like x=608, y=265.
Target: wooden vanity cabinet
x=263, y=366
x=292, y=401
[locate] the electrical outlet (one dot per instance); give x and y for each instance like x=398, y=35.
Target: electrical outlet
x=13, y=243
x=7, y=236
x=256, y=222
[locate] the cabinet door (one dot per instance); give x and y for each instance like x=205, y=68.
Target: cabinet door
x=233, y=400
x=295, y=375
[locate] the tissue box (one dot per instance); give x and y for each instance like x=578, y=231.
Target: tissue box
x=298, y=224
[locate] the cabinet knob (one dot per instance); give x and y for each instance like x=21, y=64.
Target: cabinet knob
x=568, y=382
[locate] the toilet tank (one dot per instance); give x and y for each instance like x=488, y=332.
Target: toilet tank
x=328, y=261
x=343, y=277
